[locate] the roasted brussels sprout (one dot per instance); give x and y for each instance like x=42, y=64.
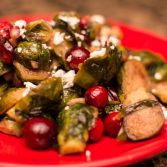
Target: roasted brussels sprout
x=33, y=55
x=50, y=88
x=10, y=98
x=146, y=57
x=74, y=122
x=38, y=30
x=143, y=115
x=38, y=100
x=158, y=72
x=132, y=70
x=99, y=69
x=26, y=74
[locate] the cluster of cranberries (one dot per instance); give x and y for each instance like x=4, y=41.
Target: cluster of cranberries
x=6, y=48
x=39, y=132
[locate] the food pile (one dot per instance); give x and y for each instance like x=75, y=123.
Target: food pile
x=69, y=81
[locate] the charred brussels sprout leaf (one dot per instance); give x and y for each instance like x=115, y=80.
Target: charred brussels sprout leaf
x=73, y=123
x=50, y=88
x=38, y=30
x=98, y=69
x=33, y=55
x=38, y=100
x=158, y=72
x=26, y=74
x=10, y=98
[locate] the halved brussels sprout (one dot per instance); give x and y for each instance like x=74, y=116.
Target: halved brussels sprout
x=74, y=122
x=38, y=30
x=26, y=74
x=99, y=69
x=33, y=55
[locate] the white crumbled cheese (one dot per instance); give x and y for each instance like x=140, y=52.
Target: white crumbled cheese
x=69, y=58
x=88, y=155
x=71, y=20
x=29, y=85
x=112, y=47
x=19, y=50
x=98, y=19
x=45, y=46
x=98, y=53
x=58, y=38
x=8, y=46
x=67, y=77
x=25, y=93
x=158, y=76
x=96, y=43
x=115, y=41
x=67, y=107
x=52, y=23
x=134, y=58
x=81, y=37
x=20, y=23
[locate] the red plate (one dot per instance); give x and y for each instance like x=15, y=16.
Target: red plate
x=107, y=152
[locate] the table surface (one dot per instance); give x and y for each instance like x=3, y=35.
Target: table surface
x=148, y=14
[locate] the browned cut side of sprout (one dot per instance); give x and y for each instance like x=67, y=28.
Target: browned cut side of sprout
x=143, y=114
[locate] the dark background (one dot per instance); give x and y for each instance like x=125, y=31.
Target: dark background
x=148, y=14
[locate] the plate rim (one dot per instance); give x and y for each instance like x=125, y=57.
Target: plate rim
x=130, y=159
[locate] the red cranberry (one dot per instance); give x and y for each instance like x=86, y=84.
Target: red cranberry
x=5, y=55
x=96, y=133
x=96, y=96
x=38, y=132
x=84, y=22
x=75, y=56
x=5, y=28
x=112, y=124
